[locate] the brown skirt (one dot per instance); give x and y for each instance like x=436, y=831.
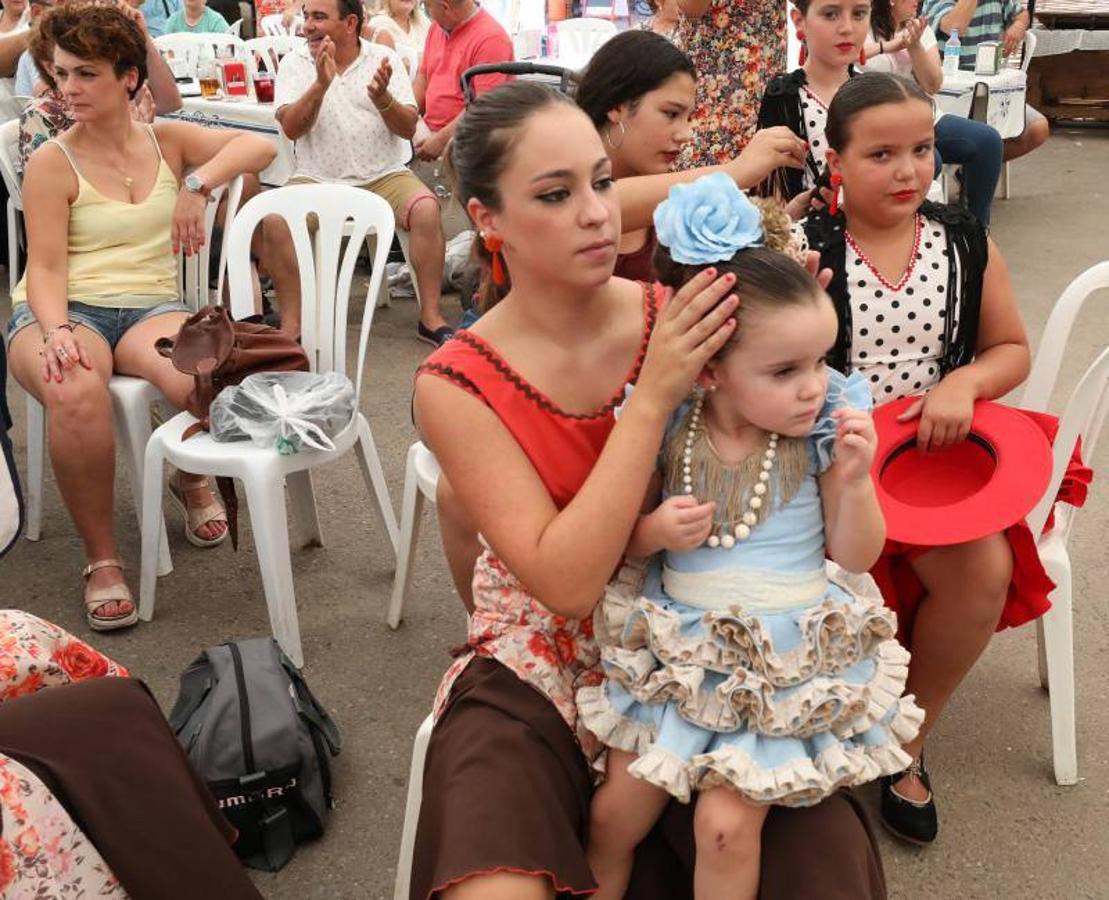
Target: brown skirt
x=507, y=789
x=104, y=750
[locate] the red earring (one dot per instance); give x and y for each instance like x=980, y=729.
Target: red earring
x=862, y=56
x=804, y=48
x=493, y=245
x=837, y=181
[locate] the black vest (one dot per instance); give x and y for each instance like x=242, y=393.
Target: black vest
x=967, y=256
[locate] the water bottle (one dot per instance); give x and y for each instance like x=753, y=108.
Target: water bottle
x=952, y=51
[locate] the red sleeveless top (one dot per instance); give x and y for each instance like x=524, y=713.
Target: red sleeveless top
x=563, y=447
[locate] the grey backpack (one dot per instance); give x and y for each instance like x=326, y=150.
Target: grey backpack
x=262, y=742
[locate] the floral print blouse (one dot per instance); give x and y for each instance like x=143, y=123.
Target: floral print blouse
x=736, y=46
x=43, y=854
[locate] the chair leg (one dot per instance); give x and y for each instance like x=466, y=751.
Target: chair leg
x=1059, y=641
x=412, y=809
x=13, y=249
x=1041, y=655
x=266, y=499
x=383, y=297
x=152, y=525
x=305, y=515
x=132, y=427
x=411, y=510
x=374, y=477
x=1005, y=182
x=404, y=239
x=36, y=457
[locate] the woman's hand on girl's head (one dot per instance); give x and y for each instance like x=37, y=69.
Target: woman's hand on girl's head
x=945, y=412
x=769, y=149
x=692, y=326
x=188, y=222
x=856, y=442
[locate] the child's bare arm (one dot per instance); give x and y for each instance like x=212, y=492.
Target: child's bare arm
x=854, y=529
x=679, y=523
x=1001, y=362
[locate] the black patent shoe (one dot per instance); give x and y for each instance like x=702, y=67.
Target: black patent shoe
x=912, y=821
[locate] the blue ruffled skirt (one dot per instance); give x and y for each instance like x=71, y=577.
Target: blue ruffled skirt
x=784, y=707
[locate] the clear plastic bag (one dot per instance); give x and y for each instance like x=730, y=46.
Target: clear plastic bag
x=284, y=410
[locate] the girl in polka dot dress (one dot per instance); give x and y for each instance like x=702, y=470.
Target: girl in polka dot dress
x=833, y=33
x=926, y=309
x=741, y=674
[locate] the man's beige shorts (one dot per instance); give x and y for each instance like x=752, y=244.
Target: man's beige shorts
x=401, y=190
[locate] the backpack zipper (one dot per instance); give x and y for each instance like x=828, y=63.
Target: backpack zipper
x=244, y=708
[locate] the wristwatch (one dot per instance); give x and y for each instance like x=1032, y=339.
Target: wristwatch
x=195, y=185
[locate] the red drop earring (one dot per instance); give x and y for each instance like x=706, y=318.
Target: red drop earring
x=804, y=49
x=862, y=56
x=836, y=181
x=494, y=245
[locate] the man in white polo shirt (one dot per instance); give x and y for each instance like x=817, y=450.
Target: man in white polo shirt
x=348, y=105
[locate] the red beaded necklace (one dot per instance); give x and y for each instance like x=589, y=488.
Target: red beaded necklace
x=919, y=230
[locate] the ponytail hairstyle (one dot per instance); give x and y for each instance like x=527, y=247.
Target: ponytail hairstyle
x=625, y=68
x=881, y=20
x=861, y=93
x=711, y=223
x=479, y=153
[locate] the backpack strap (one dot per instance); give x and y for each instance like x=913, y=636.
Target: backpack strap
x=196, y=682
x=312, y=710
x=276, y=828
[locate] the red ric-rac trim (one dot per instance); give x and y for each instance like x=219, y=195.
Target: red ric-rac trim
x=912, y=259
x=816, y=99
x=650, y=313
x=560, y=889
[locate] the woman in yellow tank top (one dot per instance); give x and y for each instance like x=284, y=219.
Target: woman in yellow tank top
x=106, y=210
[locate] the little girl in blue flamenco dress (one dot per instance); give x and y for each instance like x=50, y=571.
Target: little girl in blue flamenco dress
x=744, y=675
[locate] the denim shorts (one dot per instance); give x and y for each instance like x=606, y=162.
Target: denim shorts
x=110, y=322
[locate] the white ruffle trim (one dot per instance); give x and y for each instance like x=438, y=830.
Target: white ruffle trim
x=596, y=713
x=803, y=782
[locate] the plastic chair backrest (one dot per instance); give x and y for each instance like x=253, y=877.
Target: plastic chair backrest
x=1053, y=342
x=9, y=153
x=266, y=51
x=410, y=56
x=192, y=274
x=1028, y=50
x=188, y=45
x=236, y=28
x=274, y=25
x=1082, y=418
x=583, y=36
x=326, y=269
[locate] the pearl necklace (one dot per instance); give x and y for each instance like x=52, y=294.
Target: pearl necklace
x=729, y=532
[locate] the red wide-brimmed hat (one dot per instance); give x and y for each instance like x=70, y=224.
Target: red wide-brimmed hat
x=964, y=492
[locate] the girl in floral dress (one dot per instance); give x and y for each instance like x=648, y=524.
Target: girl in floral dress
x=736, y=46
x=747, y=677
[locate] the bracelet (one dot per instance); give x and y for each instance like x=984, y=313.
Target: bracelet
x=49, y=333
x=387, y=106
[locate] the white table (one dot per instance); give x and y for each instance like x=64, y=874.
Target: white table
x=245, y=115
x=1007, y=90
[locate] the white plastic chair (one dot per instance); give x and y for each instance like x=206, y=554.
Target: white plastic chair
x=421, y=477
x=269, y=49
x=1083, y=418
x=410, y=56
x=236, y=28
x=188, y=46
x=325, y=283
x=9, y=153
x=1028, y=51
x=617, y=9
x=132, y=398
x=275, y=26
x=580, y=38
x=412, y=804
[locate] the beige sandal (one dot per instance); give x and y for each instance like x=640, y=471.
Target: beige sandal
x=95, y=598
x=198, y=516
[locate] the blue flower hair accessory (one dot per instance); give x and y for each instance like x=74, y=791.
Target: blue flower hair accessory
x=708, y=220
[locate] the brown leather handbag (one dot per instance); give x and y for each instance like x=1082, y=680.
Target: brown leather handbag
x=218, y=352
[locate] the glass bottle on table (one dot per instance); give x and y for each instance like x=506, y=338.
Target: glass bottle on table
x=207, y=73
